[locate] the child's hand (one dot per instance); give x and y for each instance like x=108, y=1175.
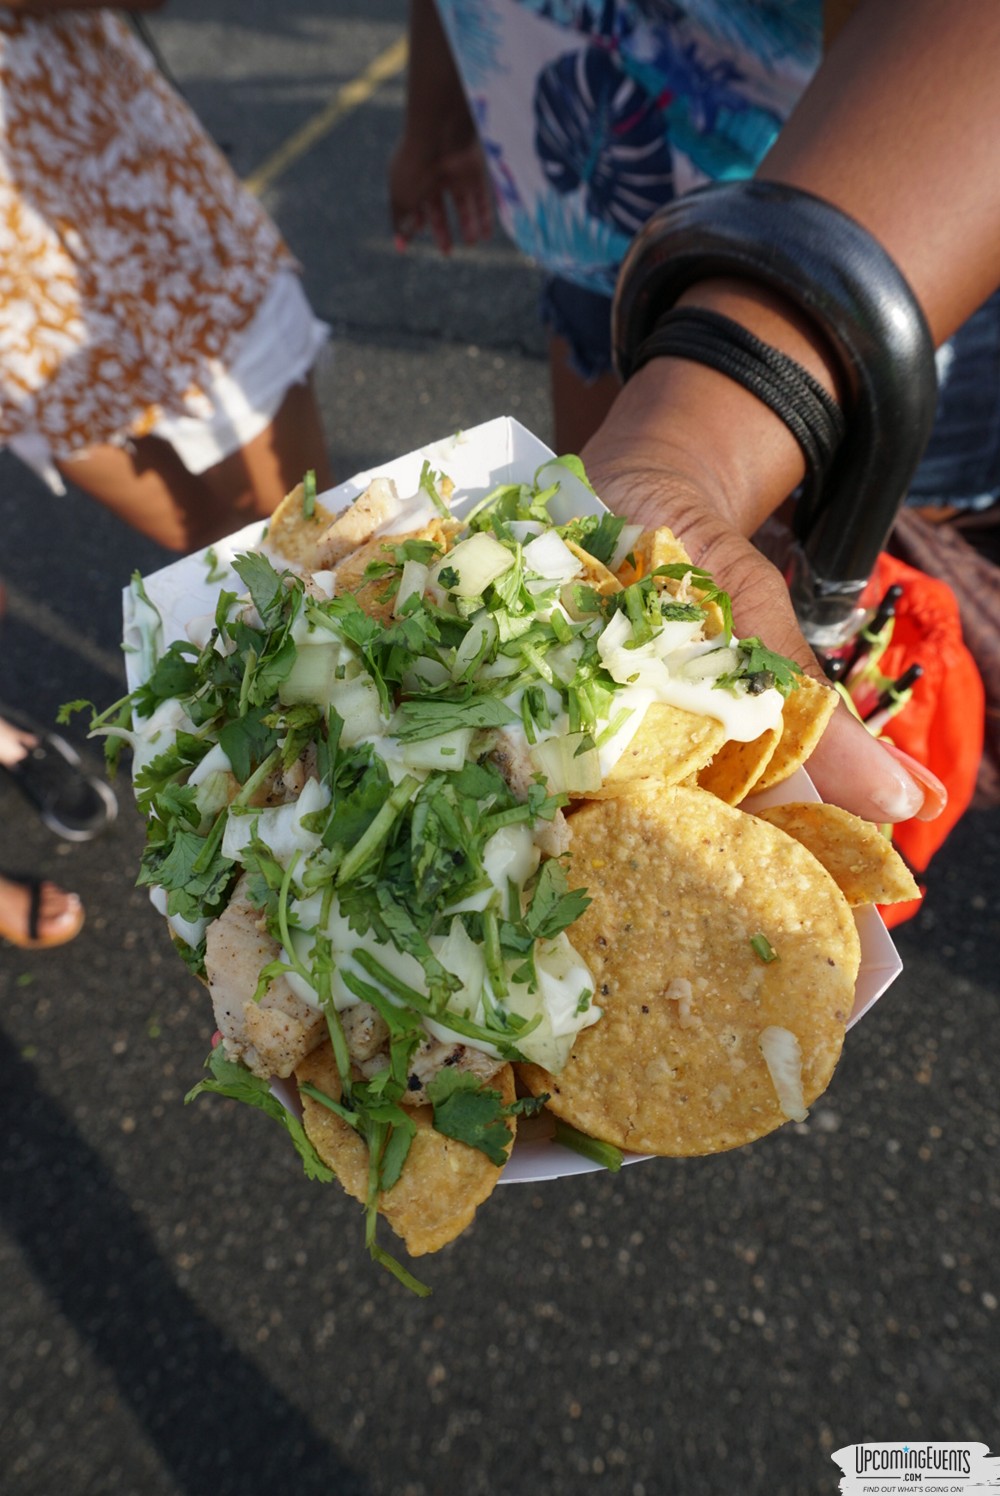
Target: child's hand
x=425, y=183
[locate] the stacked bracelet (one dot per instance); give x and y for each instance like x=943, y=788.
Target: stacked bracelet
x=808, y=410
x=838, y=275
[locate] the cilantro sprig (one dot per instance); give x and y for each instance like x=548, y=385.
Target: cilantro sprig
x=761, y=669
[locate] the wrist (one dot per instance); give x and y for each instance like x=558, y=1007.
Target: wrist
x=775, y=320
x=716, y=440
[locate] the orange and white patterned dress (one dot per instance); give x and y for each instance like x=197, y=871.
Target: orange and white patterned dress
x=131, y=258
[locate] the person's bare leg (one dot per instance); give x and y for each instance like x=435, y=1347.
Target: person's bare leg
x=252, y=482
x=578, y=407
x=149, y=488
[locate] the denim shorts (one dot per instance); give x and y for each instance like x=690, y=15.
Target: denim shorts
x=961, y=465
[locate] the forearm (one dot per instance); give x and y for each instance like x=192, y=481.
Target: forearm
x=901, y=129
x=434, y=85
x=911, y=157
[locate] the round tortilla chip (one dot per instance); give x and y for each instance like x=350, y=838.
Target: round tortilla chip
x=804, y=716
x=681, y=885
x=669, y=745
x=861, y=861
x=442, y=1181
x=736, y=768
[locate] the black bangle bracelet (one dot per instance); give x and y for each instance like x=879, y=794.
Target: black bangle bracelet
x=834, y=271
x=808, y=410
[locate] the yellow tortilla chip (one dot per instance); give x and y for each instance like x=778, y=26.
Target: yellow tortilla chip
x=661, y=547
x=442, y=1182
x=804, y=716
x=293, y=533
x=736, y=768
x=861, y=861
x=707, y=930
x=670, y=745
x=596, y=573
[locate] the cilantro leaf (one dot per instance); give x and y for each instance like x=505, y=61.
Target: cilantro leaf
x=553, y=906
x=760, y=669
x=235, y=1081
x=434, y=716
x=471, y=1113
x=264, y=585
x=247, y=740
x=598, y=537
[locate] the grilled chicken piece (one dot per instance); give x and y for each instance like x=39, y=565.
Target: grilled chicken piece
x=269, y=1036
x=284, y=785
x=430, y=1056
x=513, y=763
x=379, y=504
x=365, y=1031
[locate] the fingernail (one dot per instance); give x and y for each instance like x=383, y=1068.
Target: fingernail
x=934, y=795
x=899, y=801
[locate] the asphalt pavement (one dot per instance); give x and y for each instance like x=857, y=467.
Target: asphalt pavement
x=183, y=1313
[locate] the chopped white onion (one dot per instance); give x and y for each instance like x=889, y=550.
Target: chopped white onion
x=447, y=752
x=412, y=583
x=477, y=562
x=676, y=634
x=550, y=557
x=480, y=639
x=279, y=827
x=422, y=673
x=524, y=530
x=626, y=541
x=313, y=674
x=155, y=734
x=190, y=931
x=564, y=659
x=783, y=1056
x=326, y=582
x=357, y=702
x=710, y=664
x=567, y=771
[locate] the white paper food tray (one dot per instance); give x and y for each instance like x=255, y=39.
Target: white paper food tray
x=499, y=451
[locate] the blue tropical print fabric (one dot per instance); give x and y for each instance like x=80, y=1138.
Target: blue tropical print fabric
x=593, y=113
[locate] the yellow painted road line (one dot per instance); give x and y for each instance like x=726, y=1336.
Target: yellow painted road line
x=387, y=65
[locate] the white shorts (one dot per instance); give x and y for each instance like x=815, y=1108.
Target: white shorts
x=240, y=398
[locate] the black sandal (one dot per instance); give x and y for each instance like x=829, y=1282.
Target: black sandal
x=72, y=803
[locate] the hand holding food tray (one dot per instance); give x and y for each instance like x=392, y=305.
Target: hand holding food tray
x=446, y=776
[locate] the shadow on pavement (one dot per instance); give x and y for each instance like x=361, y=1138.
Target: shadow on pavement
x=214, y=1419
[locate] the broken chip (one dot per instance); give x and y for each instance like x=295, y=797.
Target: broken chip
x=861, y=860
